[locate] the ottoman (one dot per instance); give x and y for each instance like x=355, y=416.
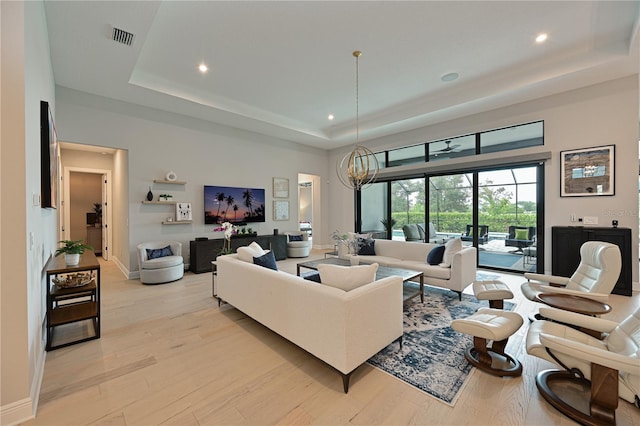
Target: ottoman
x=495, y=325
x=492, y=290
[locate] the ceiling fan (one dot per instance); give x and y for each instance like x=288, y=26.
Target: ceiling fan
x=448, y=148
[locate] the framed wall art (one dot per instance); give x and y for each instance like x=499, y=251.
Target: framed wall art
x=49, y=154
x=280, y=187
x=280, y=209
x=588, y=172
x=183, y=212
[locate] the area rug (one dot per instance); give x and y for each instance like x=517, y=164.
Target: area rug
x=432, y=358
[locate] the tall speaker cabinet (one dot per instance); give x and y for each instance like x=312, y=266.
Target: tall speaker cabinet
x=565, y=250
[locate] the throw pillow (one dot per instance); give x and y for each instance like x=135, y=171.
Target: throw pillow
x=267, y=260
x=247, y=253
x=522, y=234
x=295, y=238
x=161, y=252
x=435, y=256
x=451, y=247
x=367, y=248
x=347, y=277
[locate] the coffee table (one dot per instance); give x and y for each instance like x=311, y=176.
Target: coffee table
x=383, y=272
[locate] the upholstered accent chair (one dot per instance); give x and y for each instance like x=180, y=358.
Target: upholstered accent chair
x=595, y=278
x=602, y=369
x=298, y=244
x=483, y=235
x=160, y=262
x=412, y=232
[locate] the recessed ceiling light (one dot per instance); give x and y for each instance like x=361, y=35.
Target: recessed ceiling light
x=330, y=117
x=541, y=38
x=203, y=68
x=450, y=76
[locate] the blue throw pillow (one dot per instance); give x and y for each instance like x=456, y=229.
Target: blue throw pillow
x=312, y=276
x=162, y=252
x=267, y=260
x=435, y=256
x=367, y=249
x=295, y=238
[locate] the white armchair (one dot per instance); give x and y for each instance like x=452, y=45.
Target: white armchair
x=597, y=274
x=605, y=369
x=298, y=244
x=159, y=265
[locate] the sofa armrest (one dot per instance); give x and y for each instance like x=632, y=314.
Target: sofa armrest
x=463, y=269
x=551, y=279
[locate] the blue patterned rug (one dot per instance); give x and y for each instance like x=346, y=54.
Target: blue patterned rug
x=432, y=357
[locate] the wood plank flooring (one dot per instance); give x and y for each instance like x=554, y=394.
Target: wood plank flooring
x=169, y=355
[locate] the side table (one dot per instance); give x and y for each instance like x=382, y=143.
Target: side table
x=73, y=304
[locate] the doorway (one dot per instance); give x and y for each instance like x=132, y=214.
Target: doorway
x=308, y=204
x=86, y=207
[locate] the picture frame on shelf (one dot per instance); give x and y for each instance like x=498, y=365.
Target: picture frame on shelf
x=280, y=209
x=280, y=187
x=183, y=212
x=587, y=172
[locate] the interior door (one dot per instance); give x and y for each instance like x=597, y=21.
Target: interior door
x=105, y=219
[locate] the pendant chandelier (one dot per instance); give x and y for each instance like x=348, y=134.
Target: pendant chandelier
x=358, y=168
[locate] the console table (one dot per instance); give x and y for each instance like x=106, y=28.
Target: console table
x=203, y=252
x=68, y=305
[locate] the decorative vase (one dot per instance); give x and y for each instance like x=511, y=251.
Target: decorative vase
x=149, y=195
x=354, y=259
x=72, y=259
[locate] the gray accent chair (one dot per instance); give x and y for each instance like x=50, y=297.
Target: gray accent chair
x=162, y=269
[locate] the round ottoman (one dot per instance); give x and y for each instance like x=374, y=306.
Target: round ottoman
x=496, y=325
x=492, y=290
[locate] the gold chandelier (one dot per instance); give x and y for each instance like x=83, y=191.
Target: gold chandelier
x=358, y=168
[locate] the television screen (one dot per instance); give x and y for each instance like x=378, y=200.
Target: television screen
x=235, y=205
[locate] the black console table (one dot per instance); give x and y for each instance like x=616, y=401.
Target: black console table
x=565, y=250
x=203, y=252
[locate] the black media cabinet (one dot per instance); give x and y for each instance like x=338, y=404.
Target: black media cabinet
x=203, y=252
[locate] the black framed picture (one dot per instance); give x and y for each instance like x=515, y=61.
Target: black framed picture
x=49, y=153
x=588, y=172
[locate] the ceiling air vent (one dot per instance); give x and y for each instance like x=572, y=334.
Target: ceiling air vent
x=122, y=36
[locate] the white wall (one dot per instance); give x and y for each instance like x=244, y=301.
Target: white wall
x=602, y=114
x=28, y=234
x=199, y=152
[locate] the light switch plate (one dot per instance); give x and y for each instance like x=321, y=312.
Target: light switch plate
x=590, y=220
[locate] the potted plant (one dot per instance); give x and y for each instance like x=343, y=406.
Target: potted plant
x=388, y=224
x=97, y=209
x=165, y=197
x=72, y=250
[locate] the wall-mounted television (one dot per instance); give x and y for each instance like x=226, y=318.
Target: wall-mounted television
x=235, y=205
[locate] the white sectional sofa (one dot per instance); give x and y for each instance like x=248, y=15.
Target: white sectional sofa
x=413, y=255
x=342, y=328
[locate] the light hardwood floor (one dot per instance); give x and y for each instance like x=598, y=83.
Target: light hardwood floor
x=169, y=355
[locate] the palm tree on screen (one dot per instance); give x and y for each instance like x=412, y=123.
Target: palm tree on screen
x=230, y=202
x=235, y=212
x=247, y=195
x=219, y=198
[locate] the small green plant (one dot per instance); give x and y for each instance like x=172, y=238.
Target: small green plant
x=388, y=223
x=72, y=247
x=243, y=231
x=250, y=231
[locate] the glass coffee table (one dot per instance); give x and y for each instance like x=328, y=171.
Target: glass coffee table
x=383, y=272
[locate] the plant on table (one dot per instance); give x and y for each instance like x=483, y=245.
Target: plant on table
x=72, y=249
x=353, y=244
x=228, y=230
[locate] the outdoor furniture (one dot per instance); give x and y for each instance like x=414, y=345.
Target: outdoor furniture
x=412, y=233
x=483, y=235
x=520, y=236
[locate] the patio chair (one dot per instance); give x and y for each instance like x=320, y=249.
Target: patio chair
x=483, y=235
x=520, y=237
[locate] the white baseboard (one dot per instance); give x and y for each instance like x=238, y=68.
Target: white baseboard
x=17, y=412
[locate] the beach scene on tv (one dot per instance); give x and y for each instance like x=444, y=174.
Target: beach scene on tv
x=235, y=205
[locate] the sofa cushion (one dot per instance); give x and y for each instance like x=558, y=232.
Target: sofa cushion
x=295, y=237
x=247, y=253
x=367, y=248
x=267, y=260
x=161, y=252
x=435, y=256
x=451, y=247
x=521, y=234
x=347, y=277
